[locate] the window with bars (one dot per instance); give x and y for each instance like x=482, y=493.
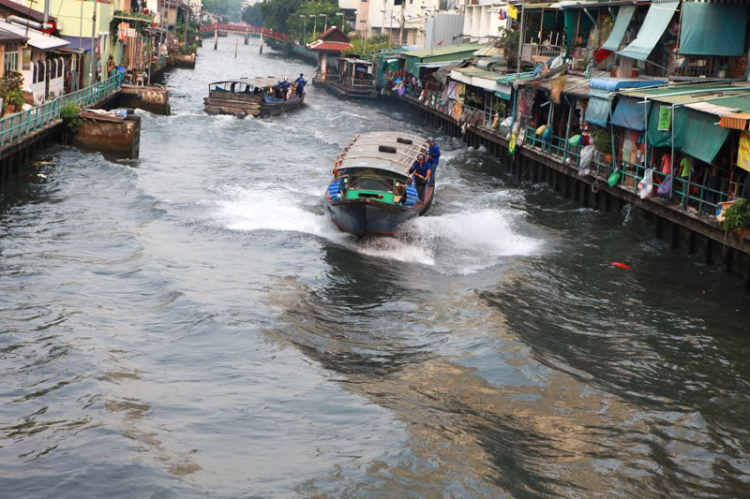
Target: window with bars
x=11, y=58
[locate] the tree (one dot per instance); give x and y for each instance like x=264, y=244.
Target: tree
x=253, y=15
x=284, y=15
x=225, y=8
x=276, y=14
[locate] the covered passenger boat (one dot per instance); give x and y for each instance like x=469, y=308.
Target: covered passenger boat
x=258, y=97
x=372, y=193
x=354, y=79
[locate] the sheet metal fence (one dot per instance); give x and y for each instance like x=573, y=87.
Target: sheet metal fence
x=19, y=125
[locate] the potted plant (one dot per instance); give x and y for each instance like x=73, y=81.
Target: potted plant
x=736, y=217
x=10, y=91
x=602, y=142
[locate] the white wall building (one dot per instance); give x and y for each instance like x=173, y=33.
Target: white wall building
x=385, y=17
x=482, y=20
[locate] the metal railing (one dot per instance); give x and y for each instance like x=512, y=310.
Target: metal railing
x=686, y=192
x=20, y=125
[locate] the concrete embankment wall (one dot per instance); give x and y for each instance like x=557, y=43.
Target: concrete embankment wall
x=684, y=231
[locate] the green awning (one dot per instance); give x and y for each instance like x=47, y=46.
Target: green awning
x=656, y=22
x=713, y=29
x=695, y=133
x=624, y=15
x=502, y=95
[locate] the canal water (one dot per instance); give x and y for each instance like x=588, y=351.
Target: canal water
x=192, y=325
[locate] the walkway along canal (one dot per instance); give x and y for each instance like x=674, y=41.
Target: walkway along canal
x=557, y=164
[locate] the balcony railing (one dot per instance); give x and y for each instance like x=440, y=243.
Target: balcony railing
x=20, y=125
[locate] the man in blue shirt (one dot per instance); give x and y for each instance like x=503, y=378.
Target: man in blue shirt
x=422, y=169
x=434, y=158
x=300, y=85
x=284, y=87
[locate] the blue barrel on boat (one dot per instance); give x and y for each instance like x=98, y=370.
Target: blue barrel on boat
x=334, y=189
x=412, y=197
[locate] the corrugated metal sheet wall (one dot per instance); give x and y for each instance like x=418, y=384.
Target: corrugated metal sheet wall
x=448, y=30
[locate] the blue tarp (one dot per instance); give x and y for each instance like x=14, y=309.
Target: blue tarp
x=624, y=15
x=656, y=22
x=713, y=29
x=600, y=103
x=630, y=114
x=76, y=42
x=613, y=84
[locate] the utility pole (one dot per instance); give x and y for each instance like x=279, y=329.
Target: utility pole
x=520, y=40
x=390, y=30
x=403, y=21
x=93, y=46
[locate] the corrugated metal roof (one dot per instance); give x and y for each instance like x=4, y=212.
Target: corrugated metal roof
x=674, y=89
x=37, y=39
x=447, y=50
x=736, y=121
x=363, y=152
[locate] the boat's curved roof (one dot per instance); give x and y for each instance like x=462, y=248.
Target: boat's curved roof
x=364, y=152
x=260, y=82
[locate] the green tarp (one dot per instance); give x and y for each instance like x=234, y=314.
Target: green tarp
x=712, y=29
x=656, y=22
x=600, y=103
x=624, y=15
x=695, y=133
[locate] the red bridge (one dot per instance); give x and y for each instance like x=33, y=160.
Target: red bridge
x=243, y=28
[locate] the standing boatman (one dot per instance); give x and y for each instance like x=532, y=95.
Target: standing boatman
x=422, y=169
x=300, y=84
x=284, y=87
x=434, y=158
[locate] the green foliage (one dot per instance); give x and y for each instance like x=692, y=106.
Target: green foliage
x=10, y=89
x=602, y=139
x=253, y=15
x=230, y=9
x=284, y=16
x=508, y=41
x=362, y=49
x=70, y=114
x=736, y=216
x=15, y=98
x=137, y=16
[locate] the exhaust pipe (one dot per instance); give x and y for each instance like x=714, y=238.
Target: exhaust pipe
x=27, y=23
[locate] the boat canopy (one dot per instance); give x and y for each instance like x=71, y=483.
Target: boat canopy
x=390, y=152
x=259, y=82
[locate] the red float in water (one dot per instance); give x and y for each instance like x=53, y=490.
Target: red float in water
x=620, y=265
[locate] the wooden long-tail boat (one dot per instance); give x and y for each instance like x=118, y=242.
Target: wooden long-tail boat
x=249, y=97
x=372, y=193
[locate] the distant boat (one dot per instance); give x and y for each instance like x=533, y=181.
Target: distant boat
x=249, y=97
x=372, y=193
x=353, y=79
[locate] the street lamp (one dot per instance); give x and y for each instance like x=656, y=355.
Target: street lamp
x=342, y=19
x=304, y=29
x=324, y=16
x=364, y=35
x=315, y=25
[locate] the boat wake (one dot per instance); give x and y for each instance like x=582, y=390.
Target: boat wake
x=463, y=243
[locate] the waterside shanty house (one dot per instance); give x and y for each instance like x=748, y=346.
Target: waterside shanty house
x=39, y=61
x=657, y=90
x=331, y=43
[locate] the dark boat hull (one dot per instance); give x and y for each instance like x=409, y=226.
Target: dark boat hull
x=371, y=218
x=342, y=91
x=240, y=109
